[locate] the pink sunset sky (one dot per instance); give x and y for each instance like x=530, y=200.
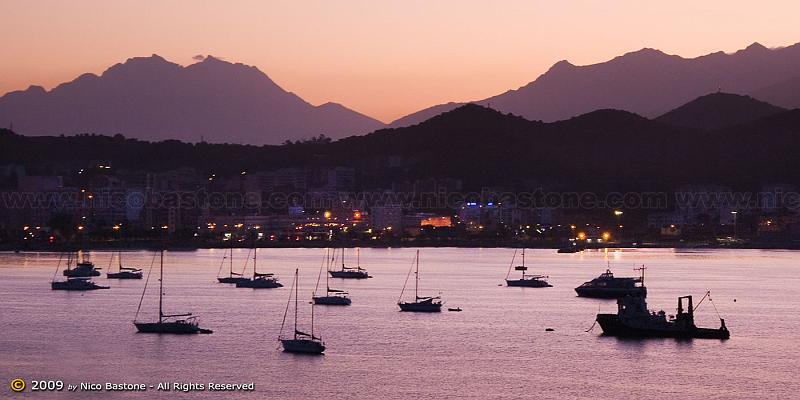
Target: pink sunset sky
x=382, y=58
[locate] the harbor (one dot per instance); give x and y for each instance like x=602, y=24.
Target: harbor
x=503, y=339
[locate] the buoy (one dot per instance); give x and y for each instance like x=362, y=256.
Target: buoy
x=549, y=330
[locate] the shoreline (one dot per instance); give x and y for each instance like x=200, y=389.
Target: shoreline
x=191, y=246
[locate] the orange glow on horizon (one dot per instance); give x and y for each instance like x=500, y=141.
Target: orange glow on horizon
x=382, y=59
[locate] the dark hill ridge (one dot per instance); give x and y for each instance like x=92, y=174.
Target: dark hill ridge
x=719, y=110
x=153, y=99
x=647, y=82
x=599, y=151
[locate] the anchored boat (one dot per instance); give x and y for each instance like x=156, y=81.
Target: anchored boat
x=634, y=320
x=260, y=280
x=332, y=297
x=167, y=323
x=607, y=286
x=78, y=284
x=83, y=268
x=233, y=277
x=351, y=272
x=420, y=304
x=525, y=280
x=123, y=272
x=73, y=283
x=300, y=342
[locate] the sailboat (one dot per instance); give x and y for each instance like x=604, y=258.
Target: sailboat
x=300, y=342
x=420, y=304
x=332, y=297
x=525, y=280
x=233, y=277
x=351, y=272
x=73, y=283
x=259, y=281
x=167, y=323
x=83, y=268
x=124, y=272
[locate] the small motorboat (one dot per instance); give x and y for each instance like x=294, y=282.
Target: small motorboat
x=607, y=286
x=76, y=284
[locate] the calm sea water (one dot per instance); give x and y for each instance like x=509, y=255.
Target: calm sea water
x=496, y=348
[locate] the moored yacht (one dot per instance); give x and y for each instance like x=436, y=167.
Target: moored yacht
x=634, y=320
x=73, y=283
x=332, y=297
x=260, y=280
x=83, y=268
x=420, y=303
x=607, y=286
x=77, y=284
x=167, y=323
x=351, y=272
x=123, y=272
x=233, y=277
x=526, y=280
x=300, y=342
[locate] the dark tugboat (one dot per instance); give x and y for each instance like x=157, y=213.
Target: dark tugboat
x=351, y=272
x=167, y=323
x=634, y=320
x=606, y=286
x=420, y=304
x=537, y=281
x=300, y=342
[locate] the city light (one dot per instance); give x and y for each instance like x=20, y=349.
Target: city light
x=606, y=236
x=581, y=235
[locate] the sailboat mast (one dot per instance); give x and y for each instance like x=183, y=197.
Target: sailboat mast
x=312, y=321
x=296, y=284
x=327, y=283
x=342, y=258
x=416, y=280
x=231, y=274
x=523, y=263
x=161, y=290
x=120, y=261
x=255, y=252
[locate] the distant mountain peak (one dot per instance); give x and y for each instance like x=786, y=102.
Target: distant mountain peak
x=155, y=99
x=755, y=48
x=719, y=110
x=562, y=65
x=646, y=53
x=648, y=82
